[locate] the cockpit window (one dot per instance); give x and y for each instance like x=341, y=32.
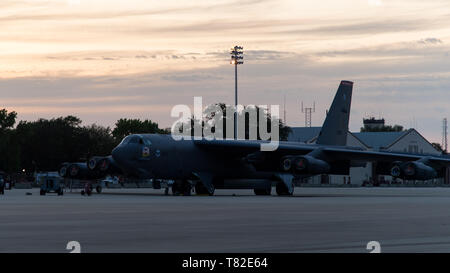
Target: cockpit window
x=126, y=140
x=136, y=139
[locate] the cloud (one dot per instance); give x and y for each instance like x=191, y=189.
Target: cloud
x=151, y=95
x=399, y=51
x=112, y=61
x=370, y=27
x=191, y=77
x=252, y=55
x=105, y=14
x=289, y=26
x=257, y=55
x=430, y=41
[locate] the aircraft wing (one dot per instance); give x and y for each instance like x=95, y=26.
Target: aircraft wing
x=385, y=156
x=245, y=147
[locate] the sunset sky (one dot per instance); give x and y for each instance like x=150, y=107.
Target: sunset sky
x=106, y=59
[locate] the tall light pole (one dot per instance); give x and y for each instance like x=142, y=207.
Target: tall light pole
x=237, y=58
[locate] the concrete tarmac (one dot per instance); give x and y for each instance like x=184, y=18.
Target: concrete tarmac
x=144, y=220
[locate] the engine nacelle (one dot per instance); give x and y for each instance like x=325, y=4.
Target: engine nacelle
x=414, y=170
x=286, y=163
x=76, y=170
x=93, y=162
x=63, y=170
x=396, y=169
x=310, y=165
x=81, y=171
x=104, y=165
x=418, y=171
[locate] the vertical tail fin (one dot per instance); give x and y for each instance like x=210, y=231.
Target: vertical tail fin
x=335, y=127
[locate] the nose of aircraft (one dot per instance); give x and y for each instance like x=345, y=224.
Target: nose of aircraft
x=125, y=157
x=117, y=153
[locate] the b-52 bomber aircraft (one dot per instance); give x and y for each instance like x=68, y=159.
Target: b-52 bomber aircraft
x=207, y=165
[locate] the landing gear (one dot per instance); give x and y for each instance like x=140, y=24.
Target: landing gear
x=88, y=193
x=283, y=190
x=87, y=190
x=266, y=191
x=156, y=184
x=200, y=189
x=181, y=187
x=99, y=189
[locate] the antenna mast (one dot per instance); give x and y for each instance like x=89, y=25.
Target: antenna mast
x=308, y=111
x=444, y=135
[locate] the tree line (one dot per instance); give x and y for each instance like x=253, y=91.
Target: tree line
x=44, y=144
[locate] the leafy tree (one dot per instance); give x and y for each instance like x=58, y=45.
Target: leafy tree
x=97, y=140
x=225, y=114
x=437, y=146
x=9, y=153
x=125, y=127
x=45, y=144
x=7, y=120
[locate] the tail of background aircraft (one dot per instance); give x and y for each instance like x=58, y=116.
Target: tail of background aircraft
x=335, y=127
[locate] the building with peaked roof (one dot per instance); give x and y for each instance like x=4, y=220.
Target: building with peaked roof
x=409, y=141
x=303, y=134
x=378, y=140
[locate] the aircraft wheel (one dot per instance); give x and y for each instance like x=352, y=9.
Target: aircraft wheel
x=212, y=192
x=200, y=189
x=98, y=189
x=181, y=187
x=83, y=192
x=267, y=191
x=282, y=190
x=2, y=191
x=156, y=184
x=177, y=187
x=42, y=192
x=174, y=189
x=61, y=192
x=187, y=188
